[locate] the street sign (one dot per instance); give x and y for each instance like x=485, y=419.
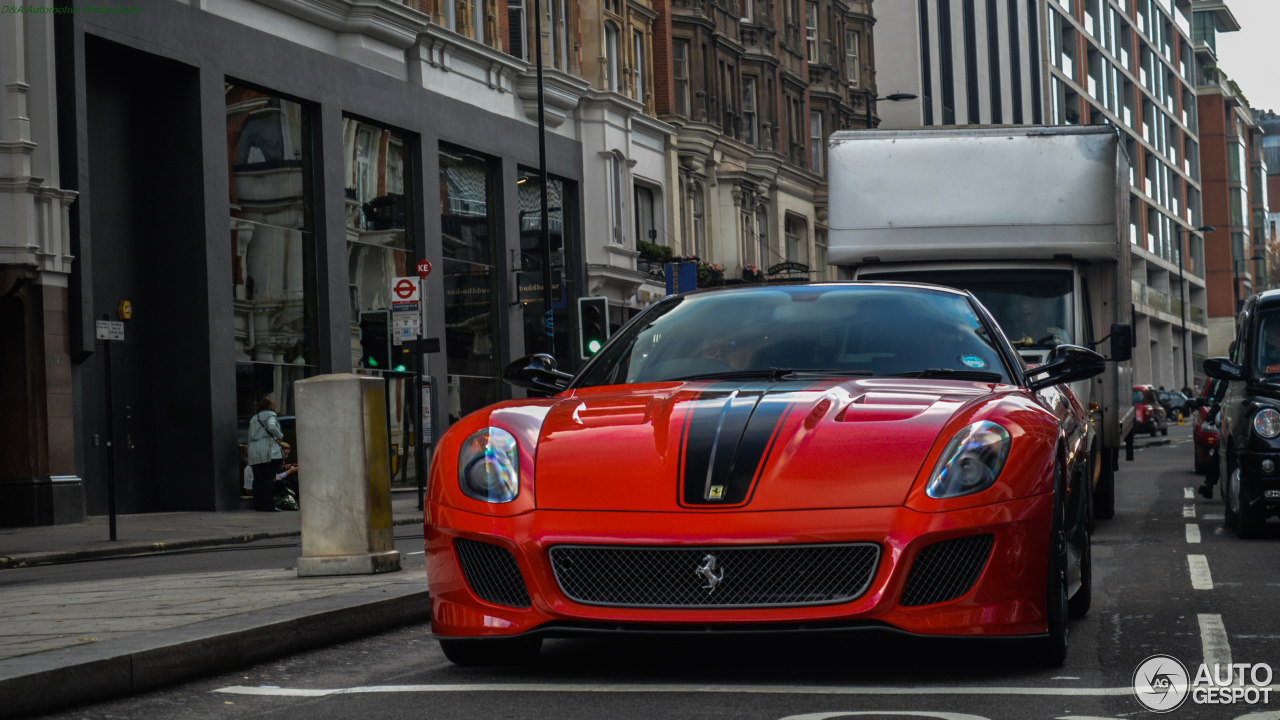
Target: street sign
x=427, y=435
x=424, y=268
x=108, y=330
x=406, y=322
x=124, y=310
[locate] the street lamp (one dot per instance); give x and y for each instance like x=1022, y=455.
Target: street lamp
x=896, y=97
x=1182, y=298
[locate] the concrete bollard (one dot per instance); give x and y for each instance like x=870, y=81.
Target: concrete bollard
x=346, y=492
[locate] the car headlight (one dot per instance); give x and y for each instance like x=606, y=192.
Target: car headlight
x=489, y=466
x=1267, y=422
x=971, y=462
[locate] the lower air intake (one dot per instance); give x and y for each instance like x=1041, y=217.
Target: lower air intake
x=946, y=570
x=492, y=573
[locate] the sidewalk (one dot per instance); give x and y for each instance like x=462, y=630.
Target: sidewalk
x=157, y=532
x=77, y=642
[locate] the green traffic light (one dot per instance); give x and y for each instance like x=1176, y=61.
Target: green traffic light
x=399, y=368
x=594, y=346
x=372, y=362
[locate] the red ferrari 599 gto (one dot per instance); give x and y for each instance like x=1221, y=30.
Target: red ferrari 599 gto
x=829, y=456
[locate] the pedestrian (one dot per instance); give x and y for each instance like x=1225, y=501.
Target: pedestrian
x=265, y=455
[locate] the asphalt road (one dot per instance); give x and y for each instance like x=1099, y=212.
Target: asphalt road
x=1145, y=603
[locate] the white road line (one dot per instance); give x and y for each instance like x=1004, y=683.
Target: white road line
x=1188, y=511
x=1189, y=493
x=1213, y=638
x=1193, y=533
x=420, y=552
x=640, y=688
x=1200, y=577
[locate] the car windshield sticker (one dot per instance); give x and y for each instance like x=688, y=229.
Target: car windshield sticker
x=973, y=361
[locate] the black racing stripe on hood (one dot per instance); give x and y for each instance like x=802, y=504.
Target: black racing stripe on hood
x=728, y=438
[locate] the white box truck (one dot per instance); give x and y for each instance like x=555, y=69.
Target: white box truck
x=1034, y=221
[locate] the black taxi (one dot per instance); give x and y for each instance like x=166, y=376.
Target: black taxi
x=1249, y=447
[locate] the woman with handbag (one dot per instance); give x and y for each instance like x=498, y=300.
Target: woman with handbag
x=265, y=456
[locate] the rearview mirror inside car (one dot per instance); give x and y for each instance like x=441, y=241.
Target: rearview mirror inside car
x=1067, y=363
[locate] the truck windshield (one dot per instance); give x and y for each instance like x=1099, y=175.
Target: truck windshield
x=1269, y=344
x=1033, y=307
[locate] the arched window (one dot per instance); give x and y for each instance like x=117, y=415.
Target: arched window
x=611, y=55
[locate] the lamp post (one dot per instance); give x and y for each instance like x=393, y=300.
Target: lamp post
x=1182, y=299
x=544, y=241
x=896, y=97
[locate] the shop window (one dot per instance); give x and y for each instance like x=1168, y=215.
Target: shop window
x=469, y=244
x=531, y=278
x=273, y=249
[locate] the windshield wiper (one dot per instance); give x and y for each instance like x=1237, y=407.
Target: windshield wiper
x=772, y=374
x=978, y=375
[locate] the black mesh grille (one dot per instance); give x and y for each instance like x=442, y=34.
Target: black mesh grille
x=714, y=576
x=492, y=573
x=946, y=570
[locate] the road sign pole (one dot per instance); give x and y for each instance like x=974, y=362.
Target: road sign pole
x=419, y=403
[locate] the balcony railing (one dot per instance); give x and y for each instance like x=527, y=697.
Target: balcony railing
x=1164, y=302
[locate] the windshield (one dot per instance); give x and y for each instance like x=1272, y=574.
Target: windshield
x=1033, y=307
x=1268, y=362
x=849, y=329
x=1138, y=397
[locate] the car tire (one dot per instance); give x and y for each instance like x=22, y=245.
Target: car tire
x=1051, y=650
x=1224, y=491
x=477, y=652
x=1079, y=604
x=1251, y=522
x=1104, y=494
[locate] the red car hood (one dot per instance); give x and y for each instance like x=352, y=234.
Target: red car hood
x=757, y=446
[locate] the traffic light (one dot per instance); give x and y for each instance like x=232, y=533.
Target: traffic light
x=375, y=340
x=593, y=325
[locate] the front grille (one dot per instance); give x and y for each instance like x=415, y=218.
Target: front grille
x=491, y=573
x=946, y=570
x=710, y=577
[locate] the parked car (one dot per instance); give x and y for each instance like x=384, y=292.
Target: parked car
x=1249, y=442
x=792, y=456
x=1204, y=433
x=1149, y=414
x=1176, y=405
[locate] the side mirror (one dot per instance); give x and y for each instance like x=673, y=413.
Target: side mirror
x=1067, y=363
x=1121, y=342
x=1220, y=368
x=537, y=373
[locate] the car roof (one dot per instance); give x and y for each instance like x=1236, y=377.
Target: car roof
x=783, y=284
x=1268, y=300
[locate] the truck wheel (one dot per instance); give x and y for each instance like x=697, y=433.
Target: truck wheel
x=1104, y=493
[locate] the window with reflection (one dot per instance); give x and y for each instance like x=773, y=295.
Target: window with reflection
x=469, y=244
x=272, y=249
x=379, y=250
x=532, y=279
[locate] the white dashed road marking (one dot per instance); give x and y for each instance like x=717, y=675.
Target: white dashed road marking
x=1188, y=511
x=1189, y=493
x=1200, y=577
x=1193, y=533
x=1213, y=638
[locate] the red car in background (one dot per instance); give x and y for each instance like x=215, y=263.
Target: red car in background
x=1149, y=414
x=1205, y=434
